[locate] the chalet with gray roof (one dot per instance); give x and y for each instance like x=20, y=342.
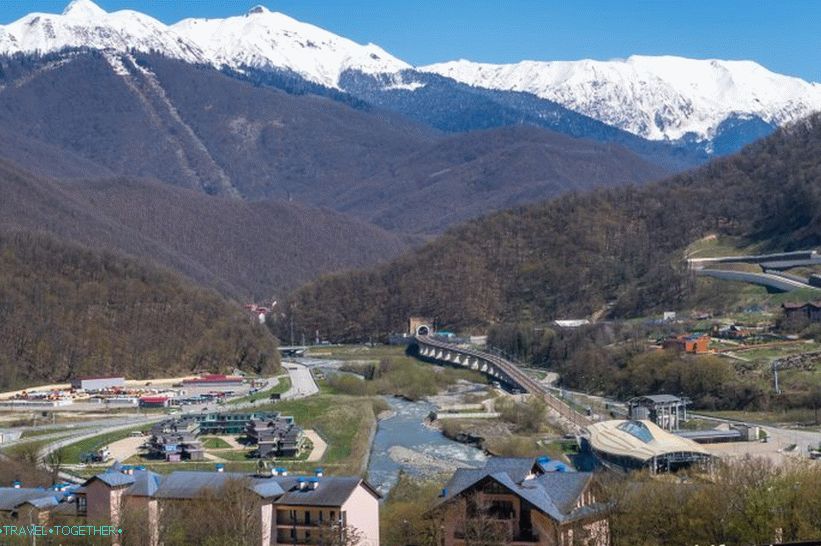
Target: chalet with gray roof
x=523, y=501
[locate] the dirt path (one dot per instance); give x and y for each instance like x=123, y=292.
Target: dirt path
x=319, y=446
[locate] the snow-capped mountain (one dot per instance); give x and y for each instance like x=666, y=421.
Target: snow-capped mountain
x=259, y=39
x=266, y=39
x=84, y=24
x=657, y=98
x=716, y=105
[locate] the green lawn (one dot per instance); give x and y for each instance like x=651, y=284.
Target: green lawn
x=357, y=352
x=344, y=422
x=31, y=446
x=228, y=455
x=214, y=443
x=71, y=453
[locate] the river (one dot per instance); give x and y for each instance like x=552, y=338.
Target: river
x=417, y=449
x=425, y=450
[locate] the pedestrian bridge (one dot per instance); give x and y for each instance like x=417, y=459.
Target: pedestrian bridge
x=502, y=370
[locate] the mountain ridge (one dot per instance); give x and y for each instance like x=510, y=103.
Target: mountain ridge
x=147, y=116
x=649, y=96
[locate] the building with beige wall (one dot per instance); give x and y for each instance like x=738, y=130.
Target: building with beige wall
x=288, y=509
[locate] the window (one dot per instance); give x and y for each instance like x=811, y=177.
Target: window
x=307, y=517
x=637, y=430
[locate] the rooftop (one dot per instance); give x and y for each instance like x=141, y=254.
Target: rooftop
x=12, y=497
x=640, y=440
x=554, y=493
x=657, y=399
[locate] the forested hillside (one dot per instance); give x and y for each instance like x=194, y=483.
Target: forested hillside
x=245, y=250
x=67, y=311
x=621, y=248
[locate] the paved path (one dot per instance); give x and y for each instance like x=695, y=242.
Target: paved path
x=319, y=446
x=302, y=381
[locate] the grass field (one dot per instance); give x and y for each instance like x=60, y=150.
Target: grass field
x=344, y=422
x=233, y=455
x=359, y=352
x=72, y=452
x=214, y=443
x=30, y=446
x=801, y=415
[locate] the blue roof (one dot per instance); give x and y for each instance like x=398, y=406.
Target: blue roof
x=267, y=488
x=145, y=484
x=12, y=497
x=112, y=478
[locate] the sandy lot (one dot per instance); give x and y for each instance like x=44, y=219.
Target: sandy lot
x=125, y=448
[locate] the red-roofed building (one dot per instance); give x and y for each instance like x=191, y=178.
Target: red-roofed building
x=154, y=402
x=688, y=343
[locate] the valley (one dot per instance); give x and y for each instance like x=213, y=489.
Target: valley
x=267, y=282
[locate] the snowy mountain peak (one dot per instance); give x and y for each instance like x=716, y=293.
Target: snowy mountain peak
x=267, y=39
x=84, y=24
x=83, y=9
x=258, y=9
x=660, y=97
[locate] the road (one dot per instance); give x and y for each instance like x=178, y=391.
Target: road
x=778, y=282
x=779, y=439
x=302, y=381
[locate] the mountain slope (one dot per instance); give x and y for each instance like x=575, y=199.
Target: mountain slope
x=467, y=175
x=146, y=116
x=573, y=255
x=659, y=98
x=67, y=311
x=245, y=250
x=194, y=127
x=456, y=107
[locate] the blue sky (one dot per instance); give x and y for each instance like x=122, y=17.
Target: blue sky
x=782, y=35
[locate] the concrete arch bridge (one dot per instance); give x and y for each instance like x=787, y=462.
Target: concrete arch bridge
x=502, y=370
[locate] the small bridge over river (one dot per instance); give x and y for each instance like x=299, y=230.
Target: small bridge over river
x=503, y=371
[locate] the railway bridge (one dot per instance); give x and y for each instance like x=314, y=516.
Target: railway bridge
x=502, y=370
